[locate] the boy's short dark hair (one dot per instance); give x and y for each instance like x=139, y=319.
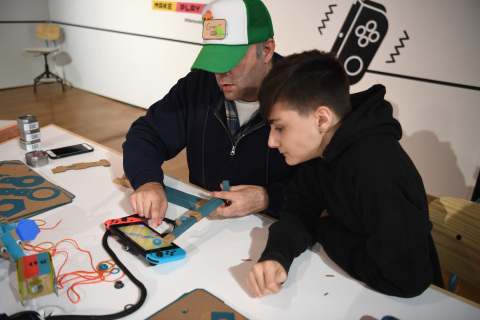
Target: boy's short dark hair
x=305, y=81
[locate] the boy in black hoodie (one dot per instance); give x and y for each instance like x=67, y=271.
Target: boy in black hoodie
x=356, y=191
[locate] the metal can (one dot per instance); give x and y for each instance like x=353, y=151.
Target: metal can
x=31, y=135
x=36, y=158
x=27, y=123
x=30, y=145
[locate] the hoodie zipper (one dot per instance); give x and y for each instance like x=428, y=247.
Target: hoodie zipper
x=228, y=131
x=234, y=145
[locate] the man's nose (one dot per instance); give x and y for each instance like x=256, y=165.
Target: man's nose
x=221, y=75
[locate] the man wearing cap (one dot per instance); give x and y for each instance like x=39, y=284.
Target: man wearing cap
x=213, y=112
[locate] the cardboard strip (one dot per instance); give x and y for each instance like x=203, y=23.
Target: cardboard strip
x=82, y=165
x=174, y=196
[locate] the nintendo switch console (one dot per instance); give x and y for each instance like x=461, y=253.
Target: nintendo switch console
x=140, y=238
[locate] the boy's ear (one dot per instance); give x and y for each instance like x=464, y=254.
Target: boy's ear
x=324, y=118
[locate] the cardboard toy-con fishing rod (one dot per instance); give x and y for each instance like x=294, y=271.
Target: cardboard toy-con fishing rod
x=139, y=238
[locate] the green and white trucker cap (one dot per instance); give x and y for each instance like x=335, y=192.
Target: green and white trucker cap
x=229, y=28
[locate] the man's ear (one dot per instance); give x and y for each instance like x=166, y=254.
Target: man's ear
x=268, y=50
x=324, y=118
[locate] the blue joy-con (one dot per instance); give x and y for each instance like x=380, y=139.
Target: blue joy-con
x=166, y=256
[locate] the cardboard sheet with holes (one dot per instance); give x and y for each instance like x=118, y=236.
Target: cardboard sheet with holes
x=24, y=193
x=198, y=304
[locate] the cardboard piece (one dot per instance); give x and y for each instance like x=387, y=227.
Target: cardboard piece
x=12, y=246
x=24, y=193
x=123, y=181
x=82, y=165
x=14, y=236
x=36, y=276
x=197, y=305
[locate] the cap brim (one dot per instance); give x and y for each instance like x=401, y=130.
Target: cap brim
x=219, y=58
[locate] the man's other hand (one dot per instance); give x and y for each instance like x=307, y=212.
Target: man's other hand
x=241, y=200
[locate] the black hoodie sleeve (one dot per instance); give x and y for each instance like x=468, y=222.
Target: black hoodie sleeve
x=294, y=232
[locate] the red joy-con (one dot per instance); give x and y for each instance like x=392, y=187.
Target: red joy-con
x=123, y=220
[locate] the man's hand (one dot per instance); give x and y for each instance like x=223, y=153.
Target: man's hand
x=150, y=201
x=266, y=278
x=241, y=200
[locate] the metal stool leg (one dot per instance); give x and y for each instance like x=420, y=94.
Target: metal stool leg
x=46, y=74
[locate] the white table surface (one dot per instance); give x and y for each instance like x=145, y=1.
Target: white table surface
x=216, y=249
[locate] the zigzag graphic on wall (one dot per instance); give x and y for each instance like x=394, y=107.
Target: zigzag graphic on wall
x=397, y=47
x=326, y=18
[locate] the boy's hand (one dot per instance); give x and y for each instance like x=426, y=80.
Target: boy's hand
x=266, y=278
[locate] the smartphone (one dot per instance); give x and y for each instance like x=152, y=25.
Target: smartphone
x=69, y=151
x=139, y=237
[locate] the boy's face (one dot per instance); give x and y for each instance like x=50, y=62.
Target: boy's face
x=297, y=137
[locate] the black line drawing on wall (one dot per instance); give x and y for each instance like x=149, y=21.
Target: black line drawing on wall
x=326, y=18
x=397, y=53
x=360, y=37
x=348, y=45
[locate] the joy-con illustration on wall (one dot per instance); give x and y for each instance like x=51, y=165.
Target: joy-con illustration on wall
x=360, y=37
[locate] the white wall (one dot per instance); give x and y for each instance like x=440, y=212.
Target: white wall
x=17, y=67
x=125, y=50
x=137, y=66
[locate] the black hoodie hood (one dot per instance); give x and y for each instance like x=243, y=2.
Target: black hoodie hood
x=371, y=115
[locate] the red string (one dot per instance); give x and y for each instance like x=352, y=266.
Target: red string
x=39, y=225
